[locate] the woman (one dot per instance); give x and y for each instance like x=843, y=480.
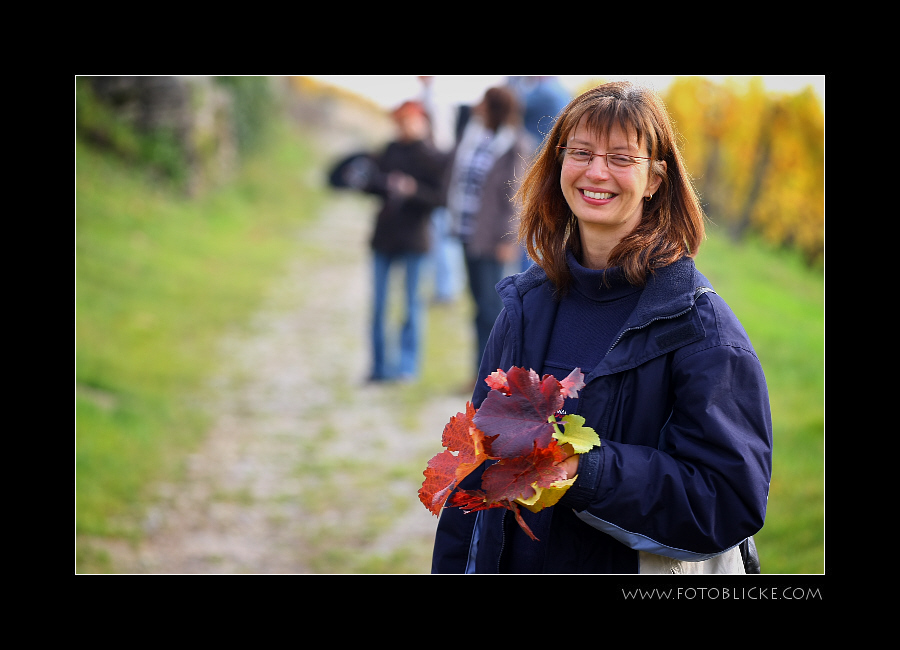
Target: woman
x=487, y=164
x=672, y=384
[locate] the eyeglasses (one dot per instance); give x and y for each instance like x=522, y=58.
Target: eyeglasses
x=584, y=157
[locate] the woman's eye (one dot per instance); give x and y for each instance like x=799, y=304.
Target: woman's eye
x=621, y=161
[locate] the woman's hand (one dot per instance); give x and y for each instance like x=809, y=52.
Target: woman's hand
x=570, y=462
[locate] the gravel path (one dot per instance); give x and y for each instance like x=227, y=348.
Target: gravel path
x=307, y=468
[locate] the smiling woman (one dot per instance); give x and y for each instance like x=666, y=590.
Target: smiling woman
x=607, y=198
x=672, y=385
x=637, y=215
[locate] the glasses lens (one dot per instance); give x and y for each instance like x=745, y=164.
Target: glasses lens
x=619, y=160
x=578, y=157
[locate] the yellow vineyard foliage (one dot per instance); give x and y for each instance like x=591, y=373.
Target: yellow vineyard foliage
x=758, y=158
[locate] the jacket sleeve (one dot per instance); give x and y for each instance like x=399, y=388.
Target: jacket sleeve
x=376, y=179
x=704, y=488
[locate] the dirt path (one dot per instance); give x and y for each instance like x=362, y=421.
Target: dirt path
x=307, y=469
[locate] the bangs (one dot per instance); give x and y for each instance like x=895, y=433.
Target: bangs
x=604, y=113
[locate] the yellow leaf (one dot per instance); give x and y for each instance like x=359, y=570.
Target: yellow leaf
x=546, y=497
x=582, y=438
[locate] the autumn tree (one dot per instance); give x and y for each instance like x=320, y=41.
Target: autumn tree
x=757, y=158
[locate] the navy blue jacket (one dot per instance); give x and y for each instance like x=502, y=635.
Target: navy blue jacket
x=681, y=407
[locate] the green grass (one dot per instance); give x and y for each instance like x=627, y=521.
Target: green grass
x=159, y=280
x=781, y=304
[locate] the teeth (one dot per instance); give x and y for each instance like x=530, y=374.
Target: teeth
x=598, y=195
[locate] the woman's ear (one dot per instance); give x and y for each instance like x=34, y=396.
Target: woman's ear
x=657, y=172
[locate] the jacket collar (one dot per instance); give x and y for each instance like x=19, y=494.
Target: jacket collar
x=668, y=291
x=531, y=307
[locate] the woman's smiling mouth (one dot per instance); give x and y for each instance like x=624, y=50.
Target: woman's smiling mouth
x=598, y=195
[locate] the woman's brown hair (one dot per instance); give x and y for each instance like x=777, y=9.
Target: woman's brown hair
x=671, y=226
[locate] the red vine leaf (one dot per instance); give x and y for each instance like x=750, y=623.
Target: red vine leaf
x=497, y=381
x=520, y=419
x=474, y=500
x=515, y=478
x=570, y=386
x=440, y=479
x=446, y=470
x=522, y=524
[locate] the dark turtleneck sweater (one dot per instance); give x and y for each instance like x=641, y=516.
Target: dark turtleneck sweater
x=590, y=317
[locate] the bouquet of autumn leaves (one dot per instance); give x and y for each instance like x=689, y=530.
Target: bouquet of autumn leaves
x=518, y=426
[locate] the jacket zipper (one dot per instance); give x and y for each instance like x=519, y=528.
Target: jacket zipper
x=502, y=540
x=700, y=291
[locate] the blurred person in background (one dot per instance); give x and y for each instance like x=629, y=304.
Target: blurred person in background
x=543, y=98
x=672, y=385
x=408, y=176
x=487, y=165
x=447, y=266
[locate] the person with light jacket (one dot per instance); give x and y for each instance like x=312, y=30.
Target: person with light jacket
x=673, y=387
x=487, y=165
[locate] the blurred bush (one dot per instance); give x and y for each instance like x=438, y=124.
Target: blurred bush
x=253, y=102
x=192, y=131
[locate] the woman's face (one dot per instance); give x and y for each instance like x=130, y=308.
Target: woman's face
x=606, y=199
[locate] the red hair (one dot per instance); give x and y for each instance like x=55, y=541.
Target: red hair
x=409, y=108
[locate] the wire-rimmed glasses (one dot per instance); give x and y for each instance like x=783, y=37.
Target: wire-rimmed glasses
x=584, y=157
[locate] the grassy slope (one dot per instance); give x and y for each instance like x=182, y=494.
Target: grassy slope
x=159, y=279
x=781, y=304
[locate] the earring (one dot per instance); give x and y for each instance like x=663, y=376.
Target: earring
x=648, y=198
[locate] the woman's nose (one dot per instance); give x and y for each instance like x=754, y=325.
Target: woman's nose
x=597, y=168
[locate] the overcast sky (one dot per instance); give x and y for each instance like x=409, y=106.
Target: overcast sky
x=390, y=90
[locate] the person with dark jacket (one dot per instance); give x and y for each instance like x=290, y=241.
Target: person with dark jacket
x=408, y=177
x=673, y=387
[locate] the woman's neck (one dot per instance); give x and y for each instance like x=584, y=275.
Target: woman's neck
x=595, y=250
x=597, y=242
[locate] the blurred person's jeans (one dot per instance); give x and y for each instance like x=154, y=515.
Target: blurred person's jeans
x=448, y=257
x=387, y=361
x=484, y=274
